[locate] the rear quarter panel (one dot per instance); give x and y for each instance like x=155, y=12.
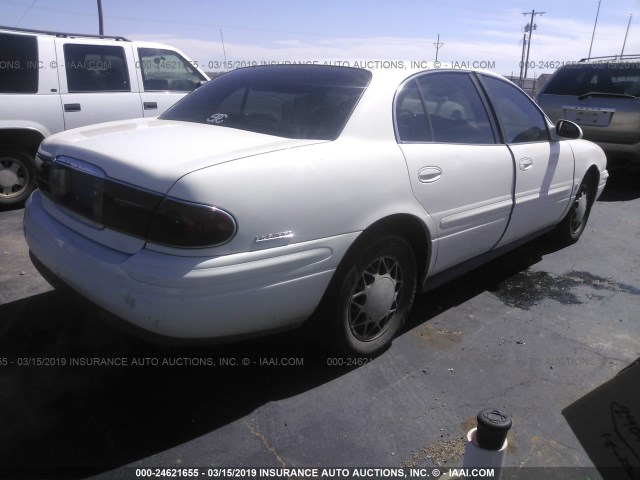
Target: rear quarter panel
x=315, y=191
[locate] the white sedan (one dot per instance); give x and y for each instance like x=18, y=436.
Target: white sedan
x=275, y=195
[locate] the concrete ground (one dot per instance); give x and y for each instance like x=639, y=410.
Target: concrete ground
x=529, y=334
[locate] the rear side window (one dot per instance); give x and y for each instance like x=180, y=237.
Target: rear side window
x=166, y=70
x=312, y=102
x=411, y=118
x=609, y=78
x=442, y=107
x=96, y=68
x=18, y=63
x=520, y=119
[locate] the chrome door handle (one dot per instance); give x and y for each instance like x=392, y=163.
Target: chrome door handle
x=526, y=164
x=429, y=174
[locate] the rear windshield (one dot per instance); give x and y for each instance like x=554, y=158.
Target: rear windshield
x=292, y=101
x=610, y=78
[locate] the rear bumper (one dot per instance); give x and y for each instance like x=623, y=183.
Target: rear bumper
x=188, y=297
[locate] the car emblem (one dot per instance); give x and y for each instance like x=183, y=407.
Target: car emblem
x=217, y=118
x=274, y=236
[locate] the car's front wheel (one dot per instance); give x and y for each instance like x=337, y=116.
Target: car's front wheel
x=570, y=229
x=16, y=176
x=370, y=296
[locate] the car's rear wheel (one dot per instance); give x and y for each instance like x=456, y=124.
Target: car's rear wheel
x=370, y=296
x=572, y=226
x=16, y=176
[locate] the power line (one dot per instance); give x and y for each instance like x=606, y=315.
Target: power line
x=26, y=12
x=146, y=20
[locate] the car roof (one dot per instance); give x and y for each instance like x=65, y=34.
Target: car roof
x=610, y=59
x=406, y=73
x=27, y=31
x=378, y=98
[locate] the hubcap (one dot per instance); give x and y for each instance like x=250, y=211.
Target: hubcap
x=374, y=300
x=579, y=210
x=13, y=178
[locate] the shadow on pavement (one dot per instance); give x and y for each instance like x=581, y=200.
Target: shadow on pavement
x=9, y=208
x=606, y=424
x=489, y=277
x=623, y=185
x=86, y=418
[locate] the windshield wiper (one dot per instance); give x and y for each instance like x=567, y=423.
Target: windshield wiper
x=604, y=94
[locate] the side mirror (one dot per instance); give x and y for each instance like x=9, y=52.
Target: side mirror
x=200, y=83
x=567, y=129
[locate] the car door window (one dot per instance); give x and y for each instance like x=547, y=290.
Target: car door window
x=442, y=107
x=411, y=118
x=520, y=119
x=455, y=109
x=166, y=70
x=95, y=68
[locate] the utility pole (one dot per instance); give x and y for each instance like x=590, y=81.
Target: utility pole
x=224, y=51
x=594, y=30
x=438, y=45
x=524, y=45
x=626, y=34
x=100, y=21
x=530, y=28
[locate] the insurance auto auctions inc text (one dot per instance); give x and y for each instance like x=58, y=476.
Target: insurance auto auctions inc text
x=151, y=362
x=216, y=65
x=342, y=473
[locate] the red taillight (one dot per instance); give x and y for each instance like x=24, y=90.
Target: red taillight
x=182, y=224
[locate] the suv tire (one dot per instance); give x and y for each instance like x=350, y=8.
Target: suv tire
x=17, y=176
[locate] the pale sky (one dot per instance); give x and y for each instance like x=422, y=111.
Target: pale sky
x=489, y=32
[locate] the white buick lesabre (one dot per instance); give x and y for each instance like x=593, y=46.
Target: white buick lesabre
x=274, y=195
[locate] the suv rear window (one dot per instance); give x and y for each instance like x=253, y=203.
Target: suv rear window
x=311, y=102
x=610, y=78
x=18, y=63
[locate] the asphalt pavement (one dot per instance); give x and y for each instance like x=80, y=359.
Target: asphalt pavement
x=529, y=334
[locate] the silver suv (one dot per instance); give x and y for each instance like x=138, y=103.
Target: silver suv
x=602, y=95
x=52, y=81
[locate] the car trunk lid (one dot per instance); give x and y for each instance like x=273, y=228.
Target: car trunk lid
x=153, y=154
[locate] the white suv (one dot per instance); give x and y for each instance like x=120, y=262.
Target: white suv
x=52, y=81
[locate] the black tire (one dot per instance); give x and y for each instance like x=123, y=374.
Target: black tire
x=370, y=297
x=573, y=224
x=17, y=176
